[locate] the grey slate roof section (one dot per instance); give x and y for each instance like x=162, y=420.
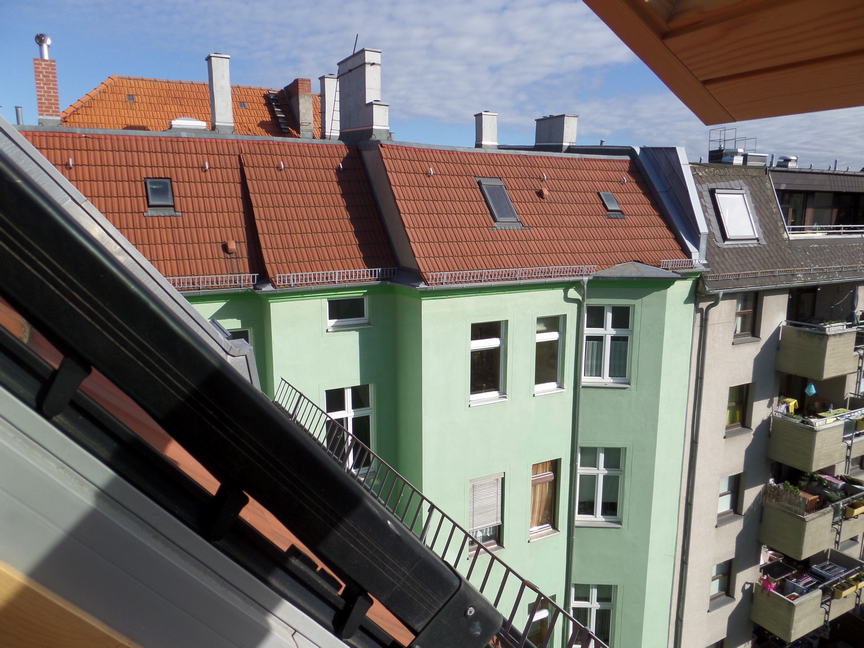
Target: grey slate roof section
x=635, y=270
x=813, y=180
x=777, y=260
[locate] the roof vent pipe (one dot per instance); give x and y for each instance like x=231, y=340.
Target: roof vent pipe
x=329, y=106
x=486, y=130
x=555, y=132
x=362, y=114
x=44, y=42
x=221, y=112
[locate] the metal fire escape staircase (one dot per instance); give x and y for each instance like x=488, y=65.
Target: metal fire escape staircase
x=508, y=592
x=105, y=308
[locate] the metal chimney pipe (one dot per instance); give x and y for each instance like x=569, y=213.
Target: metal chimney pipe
x=19, y=115
x=44, y=42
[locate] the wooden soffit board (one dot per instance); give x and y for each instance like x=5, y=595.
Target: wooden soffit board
x=731, y=60
x=33, y=617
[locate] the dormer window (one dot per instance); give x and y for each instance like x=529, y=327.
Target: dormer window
x=499, y=204
x=610, y=202
x=735, y=216
x=160, y=197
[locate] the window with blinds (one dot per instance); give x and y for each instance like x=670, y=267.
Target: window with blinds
x=485, y=509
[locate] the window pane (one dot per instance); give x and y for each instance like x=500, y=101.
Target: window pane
x=159, y=192
x=499, y=203
x=618, y=356
x=587, y=494
x=724, y=503
x=612, y=458
x=594, y=356
x=735, y=216
x=581, y=615
x=485, y=330
x=547, y=324
x=542, y=504
x=735, y=408
x=546, y=363
x=594, y=317
x=609, y=506
x=360, y=429
x=603, y=625
x=485, y=370
x=488, y=535
x=360, y=396
x=620, y=317
x=588, y=457
x=581, y=592
x=346, y=308
x=604, y=593
x=335, y=400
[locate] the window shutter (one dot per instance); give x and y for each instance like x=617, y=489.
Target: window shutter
x=486, y=503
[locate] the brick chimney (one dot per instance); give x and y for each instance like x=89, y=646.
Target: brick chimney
x=298, y=96
x=221, y=110
x=45, y=75
x=362, y=114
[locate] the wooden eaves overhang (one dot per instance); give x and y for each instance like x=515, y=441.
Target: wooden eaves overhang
x=730, y=60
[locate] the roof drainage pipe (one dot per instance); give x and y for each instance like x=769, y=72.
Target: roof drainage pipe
x=691, y=467
x=574, y=439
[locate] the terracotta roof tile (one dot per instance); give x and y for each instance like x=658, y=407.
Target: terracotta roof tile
x=311, y=216
x=156, y=102
x=450, y=227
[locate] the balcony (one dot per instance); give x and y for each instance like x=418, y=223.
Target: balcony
x=817, y=351
x=791, y=601
x=808, y=443
x=801, y=522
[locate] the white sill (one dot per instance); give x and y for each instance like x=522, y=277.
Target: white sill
x=745, y=339
x=487, y=401
x=598, y=524
x=720, y=601
x=534, y=536
x=606, y=385
x=548, y=390
x=347, y=327
x=488, y=548
x=726, y=518
x=738, y=431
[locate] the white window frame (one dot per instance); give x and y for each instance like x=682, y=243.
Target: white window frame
x=736, y=217
x=348, y=414
x=607, y=333
x=593, y=605
x=494, y=520
x=485, y=344
x=551, y=336
x=337, y=324
x=600, y=472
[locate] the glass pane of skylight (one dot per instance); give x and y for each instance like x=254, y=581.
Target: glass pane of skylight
x=609, y=201
x=159, y=192
x=735, y=215
x=498, y=200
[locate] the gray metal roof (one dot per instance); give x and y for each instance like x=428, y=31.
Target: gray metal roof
x=813, y=180
x=775, y=259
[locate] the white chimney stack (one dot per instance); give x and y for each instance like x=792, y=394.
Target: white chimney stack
x=329, y=106
x=486, y=130
x=362, y=114
x=555, y=132
x=221, y=112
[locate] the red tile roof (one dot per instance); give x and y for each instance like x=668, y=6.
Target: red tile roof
x=311, y=215
x=450, y=228
x=157, y=102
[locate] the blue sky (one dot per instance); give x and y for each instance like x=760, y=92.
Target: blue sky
x=522, y=59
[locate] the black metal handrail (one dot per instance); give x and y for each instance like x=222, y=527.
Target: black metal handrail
x=498, y=582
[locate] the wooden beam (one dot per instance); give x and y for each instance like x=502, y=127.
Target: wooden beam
x=32, y=616
x=632, y=26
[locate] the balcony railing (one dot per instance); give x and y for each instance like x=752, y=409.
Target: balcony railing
x=503, y=586
x=791, y=601
x=801, y=523
x=816, y=229
x=817, y=351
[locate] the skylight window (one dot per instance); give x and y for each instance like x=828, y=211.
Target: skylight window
x=131, y=98
x=243, y=104
x=735, y=216
x=160, y=197
x=498, y=201
x=610, y=202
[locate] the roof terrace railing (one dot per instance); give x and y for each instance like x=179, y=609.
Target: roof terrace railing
x=509, y=274
x=826, y=230
x=334, y=276
x=499, y=583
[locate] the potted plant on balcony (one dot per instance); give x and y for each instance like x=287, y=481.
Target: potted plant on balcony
x=854, y=508
x=843, y=588
x=858, y=579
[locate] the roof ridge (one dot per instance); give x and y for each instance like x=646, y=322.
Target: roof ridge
x=79, y=103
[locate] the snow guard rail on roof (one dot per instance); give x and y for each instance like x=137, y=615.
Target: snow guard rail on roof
x=509, y=592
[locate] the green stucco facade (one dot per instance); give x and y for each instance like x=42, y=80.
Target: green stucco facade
x=415, y=354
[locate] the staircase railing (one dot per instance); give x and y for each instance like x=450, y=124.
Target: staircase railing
x=499, y=583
